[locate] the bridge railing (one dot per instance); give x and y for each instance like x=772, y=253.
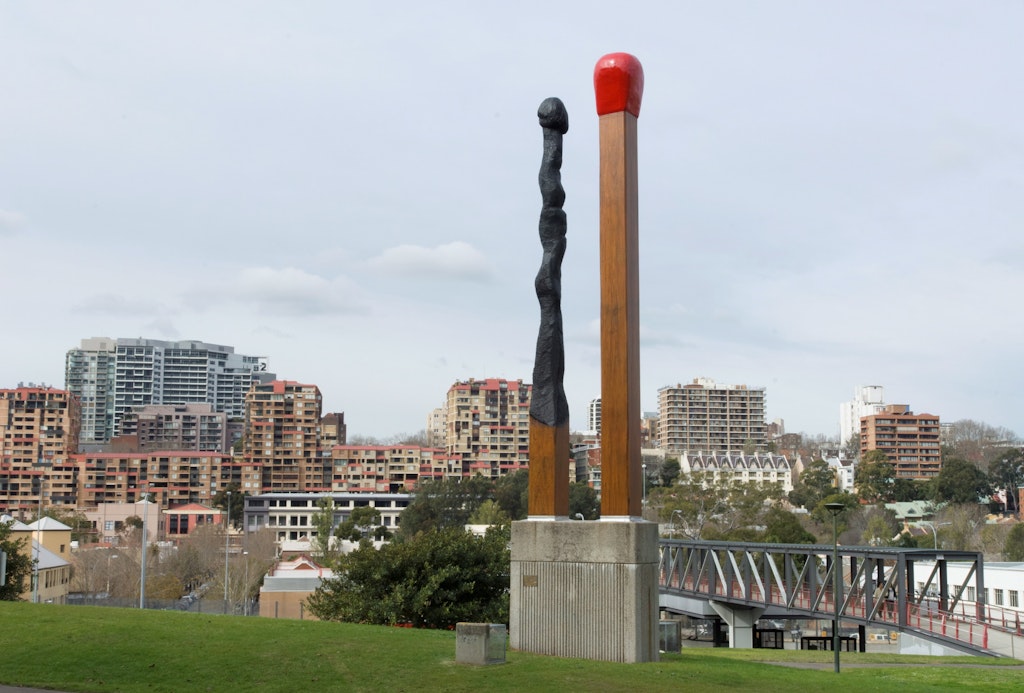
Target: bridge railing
x=878, y=585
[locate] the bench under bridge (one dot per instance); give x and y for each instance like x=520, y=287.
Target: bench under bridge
x=903, y=590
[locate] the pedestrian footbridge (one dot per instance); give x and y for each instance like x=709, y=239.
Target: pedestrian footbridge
x=904, y=590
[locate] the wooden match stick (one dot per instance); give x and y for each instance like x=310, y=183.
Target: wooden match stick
x=619, y=86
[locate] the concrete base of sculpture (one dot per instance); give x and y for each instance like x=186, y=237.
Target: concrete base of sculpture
x=585, y=589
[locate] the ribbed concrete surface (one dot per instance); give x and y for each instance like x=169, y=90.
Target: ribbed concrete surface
x=585, y=589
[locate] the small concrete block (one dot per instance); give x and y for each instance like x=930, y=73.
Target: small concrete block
x=480, y=643
x=671, y=636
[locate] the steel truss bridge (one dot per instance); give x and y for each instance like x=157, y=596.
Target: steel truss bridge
x=903, y=590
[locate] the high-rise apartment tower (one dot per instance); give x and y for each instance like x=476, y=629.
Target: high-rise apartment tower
x=706, y=416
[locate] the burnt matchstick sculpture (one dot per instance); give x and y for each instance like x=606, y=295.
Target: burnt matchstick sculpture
x=549, y=409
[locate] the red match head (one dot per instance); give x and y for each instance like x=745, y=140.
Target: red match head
x=618, y=84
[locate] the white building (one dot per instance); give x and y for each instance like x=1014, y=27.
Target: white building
x=594, y=416
x=290, y=515
x=112, y=377
x=843, y=471
x=867, y=400
x=764, y=467
x=1004, y=587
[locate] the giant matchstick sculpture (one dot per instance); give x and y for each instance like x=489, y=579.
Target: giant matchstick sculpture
x=549, y=409
x=589, y=589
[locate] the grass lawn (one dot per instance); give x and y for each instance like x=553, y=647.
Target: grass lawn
x=103, y=649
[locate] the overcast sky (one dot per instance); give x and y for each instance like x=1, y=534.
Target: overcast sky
x=831, y=194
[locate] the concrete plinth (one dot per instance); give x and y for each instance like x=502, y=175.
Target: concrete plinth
x=480, y=643
x=585, y=589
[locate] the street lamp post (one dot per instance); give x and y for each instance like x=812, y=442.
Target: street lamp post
x=227, y=523
x=835, y=509
x=935, y=531
x=142, y=574
x=245, y=608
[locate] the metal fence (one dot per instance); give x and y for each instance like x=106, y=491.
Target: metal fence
x=198, y=606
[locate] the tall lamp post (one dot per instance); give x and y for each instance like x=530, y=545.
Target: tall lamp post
x=835, y=509
x=245, y=608
x=227, y=524
x=935, y=531
x=145, y=532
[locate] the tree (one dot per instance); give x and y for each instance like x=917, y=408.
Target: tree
x=19, y=564
x=690, y=505
x=959, y=481
x=701, y=506
x=823, y=516
x=880, y=527
x=783, y=527
x=1007, y=475
x=360, y=523
x=1013, y=549
x=323, y=524
x=583, y=501
x=434, y=579
x=237, y=510
x=874, y=477
x=669, y=471
x=960, y=527
x=512, y=493
x=81, y=527
x=815, y=482
x=489, y=513
x=977, y=442
x=444, y=503
x=904, y=489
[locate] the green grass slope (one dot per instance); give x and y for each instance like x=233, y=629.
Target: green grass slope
x=104, y=649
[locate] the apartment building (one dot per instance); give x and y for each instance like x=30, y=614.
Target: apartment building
x=169, y=477
x=176, y=427
x=39, y=428
x=333, y=430
x=649, y=429
x=910, y=441
x=436, y=428
x=867, y=400
x=151, y=371
x=594, y=416
x=389, y=468
x=706, y=416
x=89, y=374
x=489, y=425
x=282, y=436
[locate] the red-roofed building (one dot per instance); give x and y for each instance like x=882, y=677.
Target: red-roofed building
x=488, y=425
x=39, y=428
x=181, y=520
x=282, y=435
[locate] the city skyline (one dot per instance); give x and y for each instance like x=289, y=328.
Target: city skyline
x=829, y=196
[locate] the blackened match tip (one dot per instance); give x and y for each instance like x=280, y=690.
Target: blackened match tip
x=553, y=116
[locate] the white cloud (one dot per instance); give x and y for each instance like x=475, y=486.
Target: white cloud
x=10, y=221
x=457, y=260
x=121, y=306
x=294, y=292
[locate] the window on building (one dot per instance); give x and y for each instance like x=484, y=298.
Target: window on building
x=970, y=594
x=1013, y=598
x=999, y=597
